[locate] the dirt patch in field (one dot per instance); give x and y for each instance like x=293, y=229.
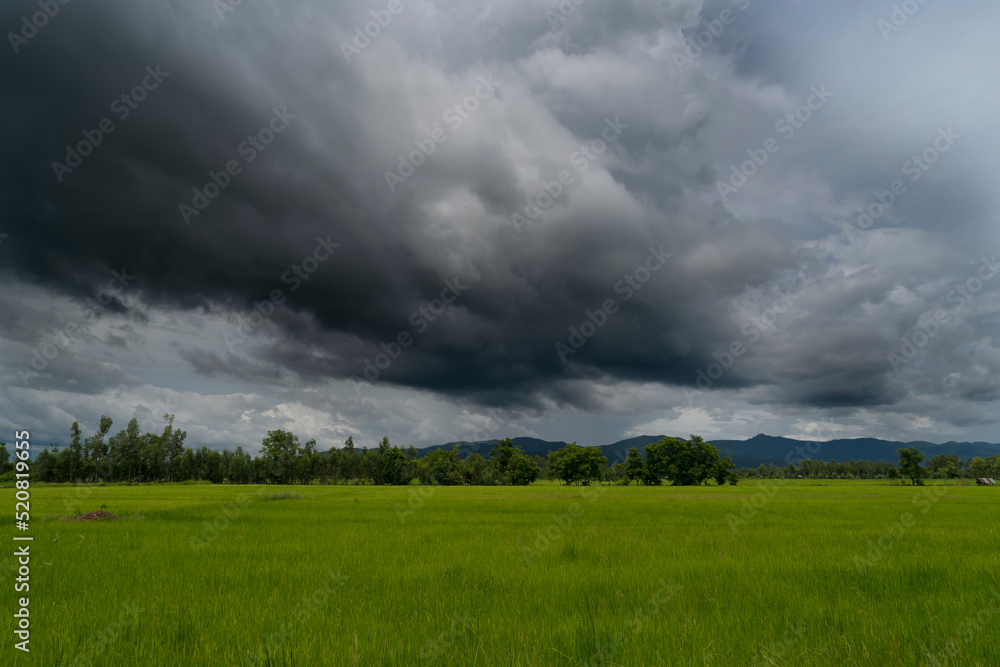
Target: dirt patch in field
x=99, y=515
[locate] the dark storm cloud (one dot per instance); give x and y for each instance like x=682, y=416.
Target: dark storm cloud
x=210, y=82
x=41, y=337
x=211, y=364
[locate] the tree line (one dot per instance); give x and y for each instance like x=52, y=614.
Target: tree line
x=942, y=466
x=132, y=456
x=682, y=462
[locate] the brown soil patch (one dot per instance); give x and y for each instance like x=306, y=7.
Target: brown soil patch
x=92, y=516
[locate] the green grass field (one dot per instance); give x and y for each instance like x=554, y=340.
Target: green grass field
x=822, y=573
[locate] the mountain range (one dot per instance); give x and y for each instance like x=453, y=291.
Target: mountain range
x=759, y=449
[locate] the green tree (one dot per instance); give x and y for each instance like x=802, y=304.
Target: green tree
x=240, y=468
x=5, y=464
x=440, y=466
x=574, y=464
x=280, y=449
x=350, y=466
x=476, y=470
x=511, y=465
x=669, y=458
x=186, y=466
x=305, y=465
x=73, y=454
x=523, y=471
x=979, y=467
x=172, y=441
x=994, y=466
x=395, y=467
x=910, y=459
x=634, y=467
x=95, y=451
x=725, y=471
x=946, y=465
x=501, y=455
x=125, y=449
x=687, y=463
x=44, y=465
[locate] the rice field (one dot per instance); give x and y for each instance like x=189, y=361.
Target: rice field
x=786, y=573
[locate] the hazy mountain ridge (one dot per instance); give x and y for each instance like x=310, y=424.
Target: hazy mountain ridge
x=759, y=449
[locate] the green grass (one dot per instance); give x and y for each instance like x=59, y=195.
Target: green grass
x=655, y=576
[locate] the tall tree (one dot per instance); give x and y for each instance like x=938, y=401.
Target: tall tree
x=395, y=467
x=634, y=467
x=476, y=470
x=687, y=463
x=74, y=455
x=510, y=465
x=910, y=459
x=523, y=470
x=441, y=466
x=124, y=450
x=173, y=445
x=349, y=464
x=281, y=449
x=5, y=464
x=574, y=464
x=95, y=451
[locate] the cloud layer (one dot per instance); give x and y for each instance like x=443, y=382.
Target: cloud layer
x=248, y=206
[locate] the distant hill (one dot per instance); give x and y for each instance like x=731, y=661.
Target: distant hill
x=759, y=449
x=531, y=446
x=770, y=449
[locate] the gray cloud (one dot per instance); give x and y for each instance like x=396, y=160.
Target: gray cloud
x=200, y=277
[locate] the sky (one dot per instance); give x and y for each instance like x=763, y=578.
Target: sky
x=441, y=221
